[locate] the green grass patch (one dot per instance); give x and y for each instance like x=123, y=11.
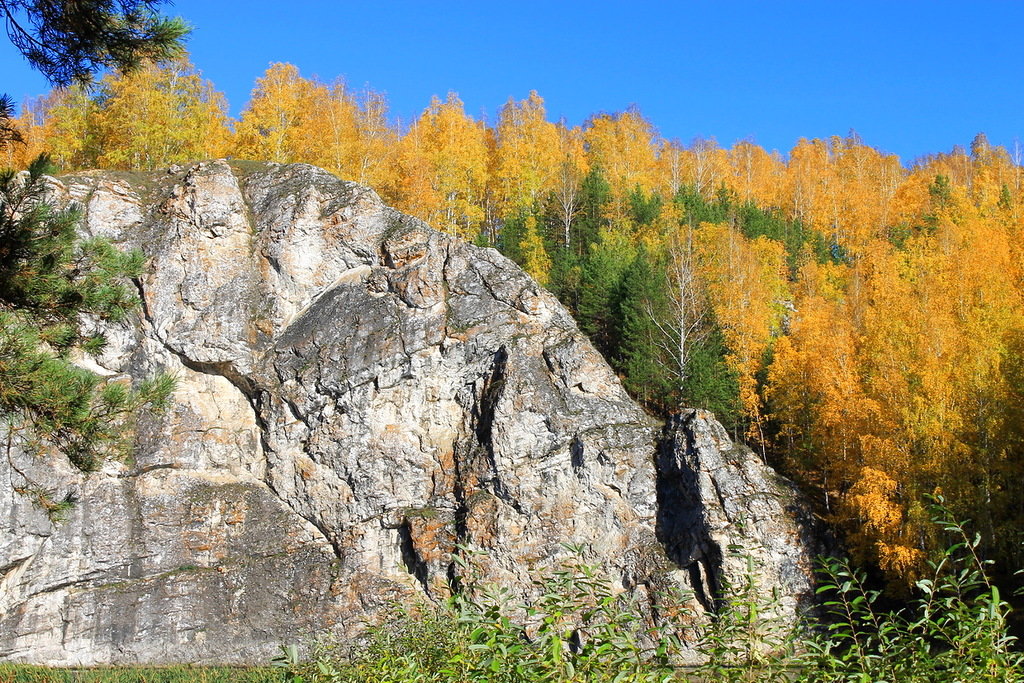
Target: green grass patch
x=23, y=673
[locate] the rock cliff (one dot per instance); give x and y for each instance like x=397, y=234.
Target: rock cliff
x=357, y=395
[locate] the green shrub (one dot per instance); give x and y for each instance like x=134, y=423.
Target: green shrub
x=581, y=629
x=746, y=638
x=578, y=629
x=23, y=673
x=955, y=629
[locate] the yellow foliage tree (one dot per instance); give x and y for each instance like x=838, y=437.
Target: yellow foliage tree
x=328, y=127
x=566, y=186
x=32, y=127
x=747, y=281
x=159, y=115
x=623, y=145
x=67, y=128
x=272, y=124
x=443, y=159
x=526, y=156
x=893, y=380
x=706, y=166
x=756, y=175
x=536, y=261
x=373, y=162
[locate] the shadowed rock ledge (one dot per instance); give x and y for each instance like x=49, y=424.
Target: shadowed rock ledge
x=357, y=395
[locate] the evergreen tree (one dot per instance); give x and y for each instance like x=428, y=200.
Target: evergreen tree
x=8, y=132
x=595, y=194
x=513, y=229
x=69, y=41
x=644, y=209
x=642, y=353
x=696, y=209
x=1005, y=198
x=755, y=222
x=566, y=277
x=572, y=269
x=48, y=280
x=600, y=279
x=711, y=383
x=940, y=193
x=671, y=350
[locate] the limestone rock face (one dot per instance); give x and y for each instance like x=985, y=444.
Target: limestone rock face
x=357, y=396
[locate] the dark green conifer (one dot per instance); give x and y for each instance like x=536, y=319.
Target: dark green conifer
x=600, y=277
x=644, y=210
x=711, y=384
x=642, y=351
x=53, y=288
x=595, y=193
x=69, y=41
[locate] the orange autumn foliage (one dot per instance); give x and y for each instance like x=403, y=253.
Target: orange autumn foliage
x=880, y=366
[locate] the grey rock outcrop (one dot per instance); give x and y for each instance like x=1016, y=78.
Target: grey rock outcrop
x=357, y=396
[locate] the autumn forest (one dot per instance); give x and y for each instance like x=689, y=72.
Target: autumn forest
x=858, y=322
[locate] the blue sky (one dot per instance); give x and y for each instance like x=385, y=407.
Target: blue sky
x=911, y=77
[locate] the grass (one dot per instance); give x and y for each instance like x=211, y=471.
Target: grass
x=23, y=673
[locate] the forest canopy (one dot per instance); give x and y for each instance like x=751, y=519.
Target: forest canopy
x=859, y=322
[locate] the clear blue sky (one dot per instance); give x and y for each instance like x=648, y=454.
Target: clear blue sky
x=911, y=77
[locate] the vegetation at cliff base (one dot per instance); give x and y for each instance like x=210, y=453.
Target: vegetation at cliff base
x=21, y=673
x=581, y=629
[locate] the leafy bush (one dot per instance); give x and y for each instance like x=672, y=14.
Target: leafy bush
x=578, y=629
x=24, y=673
x=955, y=629
x=581, y=629
x=746, y=639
